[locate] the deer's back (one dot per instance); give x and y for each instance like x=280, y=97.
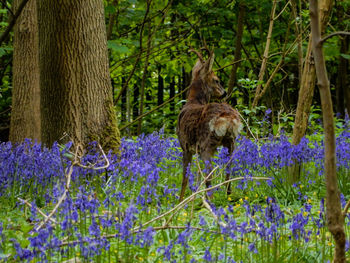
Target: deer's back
x=207, y=125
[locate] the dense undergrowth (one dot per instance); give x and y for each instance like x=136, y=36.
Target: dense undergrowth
x=123, y=213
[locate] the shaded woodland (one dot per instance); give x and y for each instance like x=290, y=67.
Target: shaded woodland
x=263, y=59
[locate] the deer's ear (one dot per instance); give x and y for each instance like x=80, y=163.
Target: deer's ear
x=209, y=63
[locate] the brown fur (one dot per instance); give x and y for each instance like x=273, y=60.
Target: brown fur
x=204, y=126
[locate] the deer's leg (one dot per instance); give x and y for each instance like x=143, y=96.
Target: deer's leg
x=230, y=145
x=186, y=160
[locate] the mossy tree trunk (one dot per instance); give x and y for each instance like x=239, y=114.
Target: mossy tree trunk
x=75, y=82
x=25, y=115
x=308, y=80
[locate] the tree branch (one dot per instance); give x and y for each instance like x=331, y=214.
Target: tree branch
x=338, y=33
x=13, y=20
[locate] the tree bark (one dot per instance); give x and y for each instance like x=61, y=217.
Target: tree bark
x=135, y=107
x=342, y=85
x=306, y=91
x=160, y=93
x=335, y=218
x=123, y=104
x=172, y=102
x=238, y=54
x=25, y=115
x=145, y=71
x=112, y=20
x=75, y=81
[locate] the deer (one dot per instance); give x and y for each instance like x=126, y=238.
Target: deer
x=202, y=125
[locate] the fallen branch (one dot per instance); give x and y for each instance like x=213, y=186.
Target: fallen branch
x=62, y=198
x=186, y=200
x=207, y=206
x=37, y=209
x=92, y=166
x=346, y=208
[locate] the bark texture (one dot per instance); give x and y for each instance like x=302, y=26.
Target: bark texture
x=75, y=81
x=25, y=115
x=335, y=218
x=308, y=79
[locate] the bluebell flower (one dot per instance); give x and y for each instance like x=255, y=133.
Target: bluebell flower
x=207, y=256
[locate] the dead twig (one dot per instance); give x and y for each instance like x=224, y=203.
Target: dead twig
x=37, y=209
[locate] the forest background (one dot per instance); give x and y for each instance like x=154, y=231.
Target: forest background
x=85, y=71
x=263, y=58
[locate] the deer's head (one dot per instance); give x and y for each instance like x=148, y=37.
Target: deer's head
x=203, y=72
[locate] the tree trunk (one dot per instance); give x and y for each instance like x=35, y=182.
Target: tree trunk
x=335, y=218
x=160, y=93
x=265, y=57
x=123, y=104
x=112, y=20
x=75, y=81
x=135, y=107
x=238, y=54
x=172, y=103
x=25, y=115
x=186, y=80
x=306, y=91
x=342, y=87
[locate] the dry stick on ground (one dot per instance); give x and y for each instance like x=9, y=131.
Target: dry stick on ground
x=266, y=53
x=207, y=206
x=37, y=209
x=335, y=218
x=13, y=20
x=157, y=228
x=346, y=208
x=178, y=207
x=188, y=199
x=68, y=176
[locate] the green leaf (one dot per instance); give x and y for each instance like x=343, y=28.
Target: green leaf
x=117, y=47
x=110, y=9
x=346, y=56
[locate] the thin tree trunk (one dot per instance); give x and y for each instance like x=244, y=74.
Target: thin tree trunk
x=112, y=20
x=238, y=54
x=341, y=85
x=335, y=218
x=135, y=105
x=172, y=103
x=145, y=71
x=265, y=57
x=342, y=72
x=186, y=80
x=25, y=115
x=74, y=74
x=306, y=91
x=123, y=104
x=138, y=58
x=160, y=93
x=298, y=22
